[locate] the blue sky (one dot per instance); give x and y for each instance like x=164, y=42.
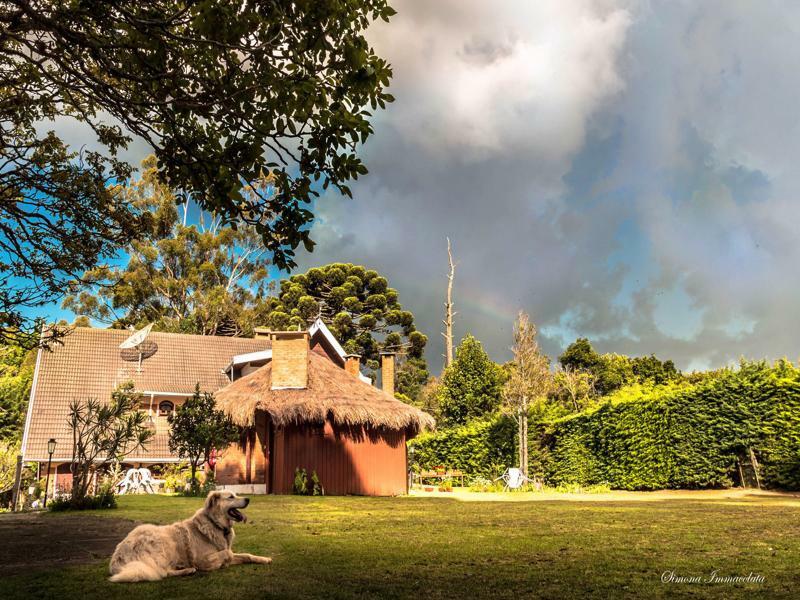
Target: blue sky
x=621, y=170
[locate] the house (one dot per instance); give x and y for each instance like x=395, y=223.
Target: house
x=301, y=402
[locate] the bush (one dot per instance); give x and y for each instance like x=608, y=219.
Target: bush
x=480, y=448
x=685, y=436
x=198, y=488
x=301, y=486
x=176, y=478
x=104, y=498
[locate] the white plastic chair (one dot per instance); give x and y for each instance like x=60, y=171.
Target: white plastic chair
x=514, y=479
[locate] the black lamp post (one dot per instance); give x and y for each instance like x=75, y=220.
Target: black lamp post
x=51, y=447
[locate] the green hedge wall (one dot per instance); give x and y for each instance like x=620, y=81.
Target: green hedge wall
x=685, y=437
x=482, y=447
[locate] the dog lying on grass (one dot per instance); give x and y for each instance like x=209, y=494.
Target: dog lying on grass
x=201, y=543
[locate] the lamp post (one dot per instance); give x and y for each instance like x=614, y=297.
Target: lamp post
x=51, y=447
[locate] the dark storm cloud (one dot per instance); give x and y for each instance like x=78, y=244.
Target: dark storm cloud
x=619, y=170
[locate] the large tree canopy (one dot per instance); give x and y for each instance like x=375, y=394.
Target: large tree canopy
x=471, y=386
x=610, y=372
x=16, y=375
x=193, y=277
x=362, y=311
x=221, y=90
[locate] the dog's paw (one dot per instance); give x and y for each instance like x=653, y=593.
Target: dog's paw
x=265, y=560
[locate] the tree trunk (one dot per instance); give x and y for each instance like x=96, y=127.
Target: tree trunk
x=448, y=311
x=524, y=461
x=520, y=444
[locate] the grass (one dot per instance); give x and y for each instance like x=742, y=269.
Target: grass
x=443, y=548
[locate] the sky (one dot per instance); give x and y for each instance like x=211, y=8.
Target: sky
x=620, y=170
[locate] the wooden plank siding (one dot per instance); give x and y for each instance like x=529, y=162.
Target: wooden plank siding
x=369, y=463
x=357, y=462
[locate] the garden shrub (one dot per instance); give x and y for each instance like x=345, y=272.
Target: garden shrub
x=483, y=447
x=685, y=436
x=104, y=498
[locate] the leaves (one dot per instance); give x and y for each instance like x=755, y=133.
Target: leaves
x=104, y=432
x=682, y=435
x=362, y=312
x=197, y=428
x=471, y=386
x=203, y=277
x=223, y=92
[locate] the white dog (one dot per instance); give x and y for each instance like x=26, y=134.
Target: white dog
x=202, y=543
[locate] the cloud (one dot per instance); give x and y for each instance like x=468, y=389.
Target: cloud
x=479, y=79
x=620, y=170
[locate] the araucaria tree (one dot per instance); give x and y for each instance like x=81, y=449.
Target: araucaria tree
x=471, y=386
x=362, y=311
x=197, y=428
x=103, y=433
x=221, y=91
x=529, y=381
x=191, y=276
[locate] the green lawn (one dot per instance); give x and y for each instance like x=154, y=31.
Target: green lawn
x=446, y=548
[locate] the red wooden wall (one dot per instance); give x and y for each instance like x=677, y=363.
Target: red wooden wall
x=362, y=462
x=347, y=461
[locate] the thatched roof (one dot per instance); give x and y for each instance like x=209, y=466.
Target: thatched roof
x=332, y=393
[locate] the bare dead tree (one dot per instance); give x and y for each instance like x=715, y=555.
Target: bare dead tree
x=530, y=381
x=448, y=310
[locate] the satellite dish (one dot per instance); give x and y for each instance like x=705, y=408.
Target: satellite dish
x=137, y=347
x=137, y=338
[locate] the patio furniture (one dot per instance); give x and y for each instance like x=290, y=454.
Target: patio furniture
x=514, y=479
x=454, y=474
x=138, y=481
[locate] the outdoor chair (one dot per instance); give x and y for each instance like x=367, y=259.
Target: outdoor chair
x=514, y=479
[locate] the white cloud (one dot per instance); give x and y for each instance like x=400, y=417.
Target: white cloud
x=480, y=78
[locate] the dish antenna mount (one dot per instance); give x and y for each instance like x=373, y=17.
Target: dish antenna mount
x=137, y=347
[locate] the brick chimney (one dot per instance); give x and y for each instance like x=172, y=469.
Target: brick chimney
x=352, y=364
x=387, y=372
x=261, y=332
x=289, y=359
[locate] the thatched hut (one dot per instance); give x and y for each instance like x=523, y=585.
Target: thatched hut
x=306, y=407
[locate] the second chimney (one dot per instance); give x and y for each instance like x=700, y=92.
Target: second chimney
x=352, y=364
x=387, y=372
x=289, y=359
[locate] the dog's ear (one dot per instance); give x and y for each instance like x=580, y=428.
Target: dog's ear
x=212, y=499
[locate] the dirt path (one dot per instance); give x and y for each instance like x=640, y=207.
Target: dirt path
x=35, y=541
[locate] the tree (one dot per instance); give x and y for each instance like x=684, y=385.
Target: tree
x=471, y=386
x=9, y=450
x=197, y=428
x=202, y=277
x=221, y=91
x=529, y=381
x=574, y=386
x=360, y=309
x=580, y=356
x=448, y=310
x=612, y=371
x=16, y=376
x=650, y=368
x=103, y=433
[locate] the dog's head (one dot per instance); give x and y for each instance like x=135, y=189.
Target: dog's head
x=223, y=507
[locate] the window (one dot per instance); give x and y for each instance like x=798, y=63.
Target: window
x=165, y=408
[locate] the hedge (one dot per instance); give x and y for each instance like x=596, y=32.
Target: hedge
x=482, y=447
x=685, y=436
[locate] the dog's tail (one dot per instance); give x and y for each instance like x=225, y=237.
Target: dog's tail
x=137, y=571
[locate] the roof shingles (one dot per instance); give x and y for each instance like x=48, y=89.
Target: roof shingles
x=90, y=364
